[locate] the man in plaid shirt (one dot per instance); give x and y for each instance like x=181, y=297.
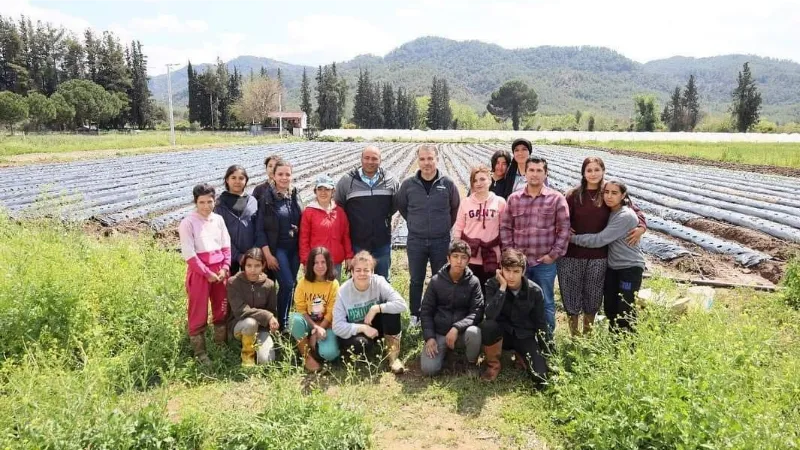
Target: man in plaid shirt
x=536, y=222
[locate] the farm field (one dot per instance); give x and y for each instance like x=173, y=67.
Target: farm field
x=705, y=222
x=60, y=146
x=94, y=352
x=781, y=155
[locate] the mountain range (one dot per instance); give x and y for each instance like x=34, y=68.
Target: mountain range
x=590, y=79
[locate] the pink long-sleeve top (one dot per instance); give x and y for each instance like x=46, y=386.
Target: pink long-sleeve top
x=205, y=241
x=479, y=220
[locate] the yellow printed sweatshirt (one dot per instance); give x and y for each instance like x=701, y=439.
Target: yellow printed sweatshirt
x=316, y=299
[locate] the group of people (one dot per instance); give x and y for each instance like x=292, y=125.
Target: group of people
x=494, y=256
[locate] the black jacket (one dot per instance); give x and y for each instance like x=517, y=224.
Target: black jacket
x=429, y=216
x=523, y=315
x=369, y=209
x=447, y=304
x=269, y=217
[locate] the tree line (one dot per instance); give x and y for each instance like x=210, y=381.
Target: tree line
x=682, y=112
x=52, y=78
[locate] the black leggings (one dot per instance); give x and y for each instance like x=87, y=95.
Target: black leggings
x=360, y=344
x=619, y=298
x=482, y=275
x=529, y=348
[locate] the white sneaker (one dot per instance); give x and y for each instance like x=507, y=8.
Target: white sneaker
x=414, y=322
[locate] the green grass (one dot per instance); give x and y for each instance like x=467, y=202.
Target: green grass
x=771, y=154
x=61, y=143
x=94, y=355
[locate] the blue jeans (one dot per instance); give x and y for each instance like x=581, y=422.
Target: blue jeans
x=545, y=276
x=383, y=259
x=420, y=251
x=289, y=260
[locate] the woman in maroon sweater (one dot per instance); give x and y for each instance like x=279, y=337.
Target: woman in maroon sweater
x=581, y=272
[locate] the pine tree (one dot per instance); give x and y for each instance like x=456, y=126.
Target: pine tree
x=112, y=73
x=74, y=66
x=320, y=98
x=413, y=113
x=340, y=87
x=13, y=72
x=746, y=107
x=139, y=92
x=646, y=115
x=223, y=103
x=305, y=96
x=234, y=92
x=691, y=105
x=440, y=115
x=676, y=112
x=433, y=107
x=92, y=46
x=361, y=99
x=389, y=108
x=194, y=106
x=515, y=100
x=403, y=121
x=590, y=124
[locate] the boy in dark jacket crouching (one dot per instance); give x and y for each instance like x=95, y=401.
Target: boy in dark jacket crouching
x=451, y=310
x=514, y=318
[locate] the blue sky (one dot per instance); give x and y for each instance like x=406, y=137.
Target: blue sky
x=315, y=32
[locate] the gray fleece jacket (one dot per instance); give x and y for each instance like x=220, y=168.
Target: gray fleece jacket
x=429, y=216
x=620, y=254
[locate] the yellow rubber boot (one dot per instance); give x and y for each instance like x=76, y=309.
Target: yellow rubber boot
x=310, y=363
x=248, y=350
x=393, y=352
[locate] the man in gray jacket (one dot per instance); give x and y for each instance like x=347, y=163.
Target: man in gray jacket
x=428, y=201
x=451, y=311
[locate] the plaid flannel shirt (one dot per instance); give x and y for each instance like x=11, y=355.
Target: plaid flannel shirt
x=537, y=226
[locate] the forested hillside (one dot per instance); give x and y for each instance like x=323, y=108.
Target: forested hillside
x=566, y=78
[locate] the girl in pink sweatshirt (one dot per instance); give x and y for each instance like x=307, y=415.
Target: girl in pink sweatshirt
x=478, y=224
x=206, y=248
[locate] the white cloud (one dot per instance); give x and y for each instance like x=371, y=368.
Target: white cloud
x=223, y=45
x=16, y=8
x=407, y=13
x=682, y=27
x=340, y=37
x=166, y=23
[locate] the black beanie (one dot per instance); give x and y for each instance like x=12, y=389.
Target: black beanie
x=526, y=142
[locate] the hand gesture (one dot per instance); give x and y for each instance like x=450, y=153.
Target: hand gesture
x=431, y=348
x=319, y=332
x=272, y=263
x=213, y=278
x=369, y=332
x=634, y=236
x=373, y=310
x=451, y=337
x=222, y=274
x=546, y=259
x=274, y=325
x=499, y=277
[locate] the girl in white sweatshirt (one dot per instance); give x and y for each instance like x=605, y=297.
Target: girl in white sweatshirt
x=367, y=309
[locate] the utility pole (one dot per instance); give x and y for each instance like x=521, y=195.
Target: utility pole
x=280, y=116
x=171, y=117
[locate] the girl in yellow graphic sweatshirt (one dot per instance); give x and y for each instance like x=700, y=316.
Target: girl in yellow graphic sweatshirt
x=314, y=298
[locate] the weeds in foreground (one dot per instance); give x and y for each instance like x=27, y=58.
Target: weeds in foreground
x=94, y=355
